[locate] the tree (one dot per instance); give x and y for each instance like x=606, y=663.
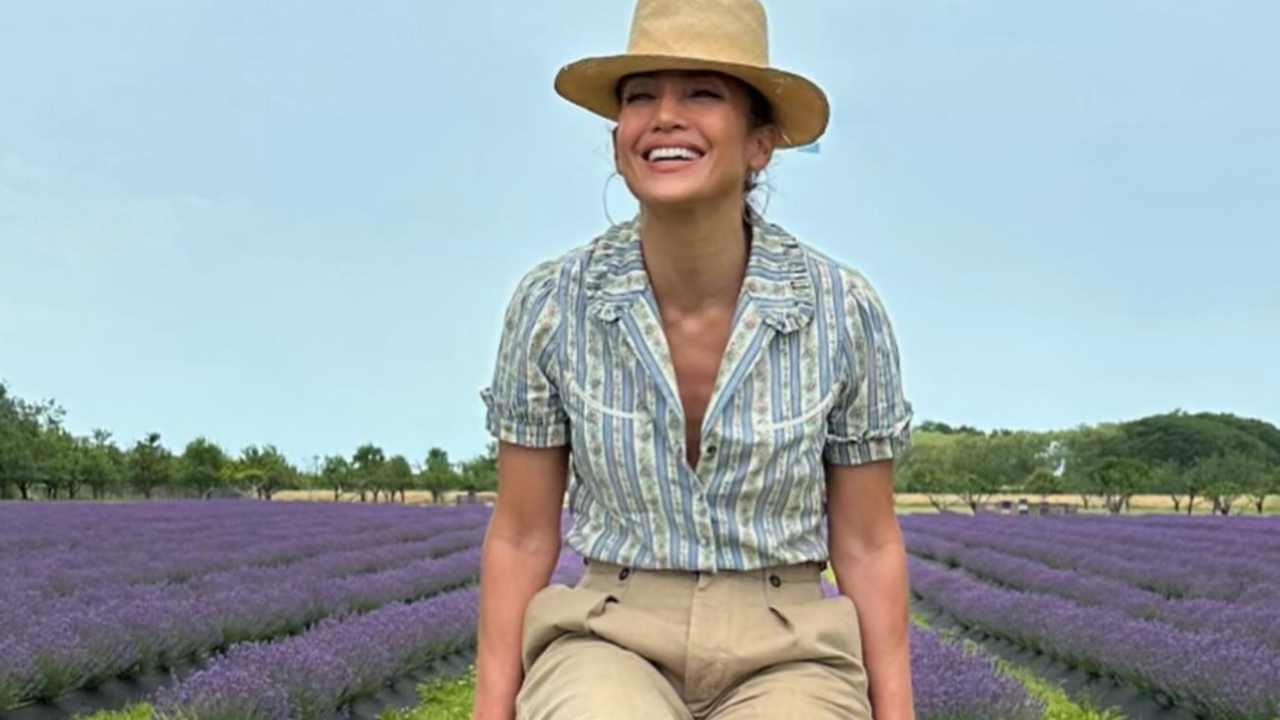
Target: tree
x=1044, y=482
x=80, y=465
x=335, y=473
x=24, y=460
x=1265, y=482
x=203, y=467
x=397, y=477
x=1117, y=480
x=1085, y=448
x=104, y=465
x=263, y=470
x=1224, y=478
x=150, y=465
x=976, y=469
x=926, y=467
x=1166, y=478
x=367, y=463
x=438, y=475
x=54, y=459
x=480, y=473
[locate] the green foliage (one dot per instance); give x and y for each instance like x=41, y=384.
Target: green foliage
x=1117, y=479
x=933, y=426
x=141, y=711
x=203, y=467
x=265, y=471
x=441, y=699
x=1058, y=706
x=481, y=473
x=438, y=475
x=1225, y=478
x=1186, y=439
x=397, y=476
x=367, y=465
x=970, y=465
x=1042, y=481
x=150, y=464
x=335, y=474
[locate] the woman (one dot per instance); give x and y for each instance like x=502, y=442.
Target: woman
x=711, y=391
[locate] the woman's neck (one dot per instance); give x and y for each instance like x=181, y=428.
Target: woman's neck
x=695, y=257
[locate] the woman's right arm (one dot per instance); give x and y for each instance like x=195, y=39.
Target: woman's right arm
x=521, y=548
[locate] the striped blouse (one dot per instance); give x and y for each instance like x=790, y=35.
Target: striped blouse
x=810, y=376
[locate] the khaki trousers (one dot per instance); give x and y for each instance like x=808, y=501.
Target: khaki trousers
x=632, y=644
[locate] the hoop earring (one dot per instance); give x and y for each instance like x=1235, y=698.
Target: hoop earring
x=604, y=198
x=768, y=178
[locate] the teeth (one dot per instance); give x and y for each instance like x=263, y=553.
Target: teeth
x=671, y=153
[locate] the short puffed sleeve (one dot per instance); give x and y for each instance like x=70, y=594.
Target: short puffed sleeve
x=523, y=400
x=871, y=418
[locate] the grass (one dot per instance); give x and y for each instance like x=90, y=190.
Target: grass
x=141, y=711
x=440, y=700
x=1058, y=705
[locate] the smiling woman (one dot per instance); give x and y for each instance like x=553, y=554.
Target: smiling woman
x=713, y=395
x=716, y=103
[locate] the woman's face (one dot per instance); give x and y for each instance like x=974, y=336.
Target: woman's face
x=685, y=138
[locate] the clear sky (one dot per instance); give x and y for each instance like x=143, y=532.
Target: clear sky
x=299, y=222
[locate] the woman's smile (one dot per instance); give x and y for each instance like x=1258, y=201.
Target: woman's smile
x=672, y=158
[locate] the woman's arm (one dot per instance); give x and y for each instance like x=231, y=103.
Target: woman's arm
x=869, y=559
x=521, y=547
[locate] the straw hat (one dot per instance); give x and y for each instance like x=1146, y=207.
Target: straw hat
x=728, y=36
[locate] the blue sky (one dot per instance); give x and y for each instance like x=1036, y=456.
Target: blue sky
x=299, y=222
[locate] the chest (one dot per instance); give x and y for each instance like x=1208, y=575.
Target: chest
x=697, y=346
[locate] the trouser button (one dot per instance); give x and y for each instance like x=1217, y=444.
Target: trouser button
x=775, y=581
x=626, y=572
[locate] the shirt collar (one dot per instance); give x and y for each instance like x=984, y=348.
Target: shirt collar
x=777, y=277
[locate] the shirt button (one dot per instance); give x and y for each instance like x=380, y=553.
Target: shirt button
x=711, y=451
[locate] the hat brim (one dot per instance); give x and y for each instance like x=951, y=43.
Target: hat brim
x=800, y=107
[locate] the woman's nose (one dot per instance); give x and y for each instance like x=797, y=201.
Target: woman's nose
x=669, y=111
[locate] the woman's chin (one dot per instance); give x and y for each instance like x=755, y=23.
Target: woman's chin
x=673, y=197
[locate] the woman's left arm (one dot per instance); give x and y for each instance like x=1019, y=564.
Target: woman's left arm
x=869, y=559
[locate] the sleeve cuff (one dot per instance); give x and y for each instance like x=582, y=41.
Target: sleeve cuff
x=869, y=446
x=525, y=426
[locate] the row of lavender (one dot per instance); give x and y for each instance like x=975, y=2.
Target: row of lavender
x=1206, y=654
x=83, y=634
x=367, y=590
x=312, y=675
x=1177, y=563
x=1254, y=622
x=56, y=550
x=954, y=682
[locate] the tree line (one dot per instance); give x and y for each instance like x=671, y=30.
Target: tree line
x=40, y=458
x=1215, y=460
x=1218, y=460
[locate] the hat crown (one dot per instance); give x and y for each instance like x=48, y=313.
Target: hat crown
x=734, y=31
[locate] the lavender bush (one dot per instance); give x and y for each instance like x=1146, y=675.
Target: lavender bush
x=58, y=636
x=1216, y=675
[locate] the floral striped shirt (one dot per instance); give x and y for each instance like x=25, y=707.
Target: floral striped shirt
x=810, y=376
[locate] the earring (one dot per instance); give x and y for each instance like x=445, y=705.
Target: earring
x=767, y=179
x=604, y=199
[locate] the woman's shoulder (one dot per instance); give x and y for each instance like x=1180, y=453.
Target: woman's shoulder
x=566, y=269
x=834, y=275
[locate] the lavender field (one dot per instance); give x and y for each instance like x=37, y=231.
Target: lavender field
x=283, y=611
x=1186, y=609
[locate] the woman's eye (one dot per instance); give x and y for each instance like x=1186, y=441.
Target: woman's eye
x=705, y=92
x=632, y=97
